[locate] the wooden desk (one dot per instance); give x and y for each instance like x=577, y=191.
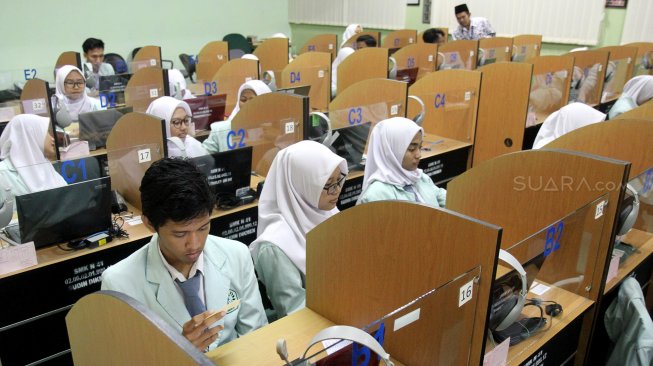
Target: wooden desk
x=643, y=242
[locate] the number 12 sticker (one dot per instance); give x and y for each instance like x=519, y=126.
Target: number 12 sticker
x=466, y=293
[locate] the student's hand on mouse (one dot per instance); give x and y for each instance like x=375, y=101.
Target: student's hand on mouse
x=197, y=329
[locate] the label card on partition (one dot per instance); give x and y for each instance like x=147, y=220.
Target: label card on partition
x=220, y=57
x=144, y=156
x=152, y=62
x=468, y=95
x=410, y=40
x=394, y=110
x=15, y=258
x=498, y=356
x=330, y=46
x=154, y=93
x=599, y=209
x=466, y=293
x=290, y=127
x=403, y=321
x=320, y=73
x=430, y=58
x=629, y=60
x=507, y=49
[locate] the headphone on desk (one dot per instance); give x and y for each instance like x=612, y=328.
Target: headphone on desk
x=508, y=294
x=418, y=119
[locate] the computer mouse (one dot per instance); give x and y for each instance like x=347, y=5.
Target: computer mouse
x=553, y=309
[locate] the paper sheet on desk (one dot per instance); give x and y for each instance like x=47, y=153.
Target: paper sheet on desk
x=17, y=257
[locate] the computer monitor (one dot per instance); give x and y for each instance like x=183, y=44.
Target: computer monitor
x=299, y=90
x=207, y=109
x=96, y=126
x=407, y=75
x=351, y=143
x=112, y=89
x=66, y=213
x=228, y=172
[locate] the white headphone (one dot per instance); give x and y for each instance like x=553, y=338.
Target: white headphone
x=330, y=136
x=420, y=117
x=514, y=313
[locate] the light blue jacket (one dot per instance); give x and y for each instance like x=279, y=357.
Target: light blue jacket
x=629, y=325
x=228, y=274
x=284, y=282
x=217, y=139
x=622, y=105
x=428, y=191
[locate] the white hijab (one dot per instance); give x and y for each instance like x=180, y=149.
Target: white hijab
x=74, y=107
x=287, y=208
x=165, y=107
x=177, y=84
x=568, y=118
x=639, y=89
x=22, y=142
x=257, y=86
x=349, y=32
x=387, y=146
x=343, y=53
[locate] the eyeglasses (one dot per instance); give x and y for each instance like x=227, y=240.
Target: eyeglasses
x=332, y=189
x=177, y=122
x=74, y=84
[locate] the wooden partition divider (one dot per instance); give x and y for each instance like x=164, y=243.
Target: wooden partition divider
x=144, y=86
x=273, y=54
x=526, y=46
x=351, y=42
x=420, y=36
x=422, y=56
x=231, y=76
x=550, y=87
x=619, y=70
x=322, y=43
x=644, y=61
x=146, y=57
x=519, y=202
x=127, y=164
x=368, y=63
x=389, y=95
x=131, y=334
x=451, y=100
x=35, y=98
x=400, y=38
x=502, y=109
x=69, y=58
x=644, y=111
x=495, y=49
x=210, y=59
x=269, y=123
x=314, y=69
x=588, y=76
x=458, y=55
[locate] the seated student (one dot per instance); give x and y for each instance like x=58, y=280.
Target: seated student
x=391, y=171
x=178, y=87
x=184, y=274
x=71, y=92
x=342, y=55
x=300, y=191
x=94, y=67
x=565, y=120
x=365, y=41
x=434, y=35
x=217, y=140
x=637, y=91
x=177, y=116
x=349, y=32
x=26, y=149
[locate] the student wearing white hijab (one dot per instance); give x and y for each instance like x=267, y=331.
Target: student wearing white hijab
x=300, y=192
x=637, y=91
x=350, y=31
x=178, y=87
x=177, y=116
x=391, y=171
x=342, y=55
x=26, y=145
x=568, y=118
x=217, y=140
x=71, y=92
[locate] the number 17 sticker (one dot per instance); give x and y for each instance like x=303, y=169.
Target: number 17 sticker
x=144, y=156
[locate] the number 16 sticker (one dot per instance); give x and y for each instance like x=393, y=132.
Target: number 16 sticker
x=466, y=293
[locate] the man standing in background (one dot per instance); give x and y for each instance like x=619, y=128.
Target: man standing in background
x=471, y=28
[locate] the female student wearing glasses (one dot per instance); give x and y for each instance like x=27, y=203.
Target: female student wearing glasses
x=177, y=115
x=71, y=92
x=300, y=191
x=391, y=171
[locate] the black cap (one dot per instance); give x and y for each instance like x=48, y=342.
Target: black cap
x=460, y=8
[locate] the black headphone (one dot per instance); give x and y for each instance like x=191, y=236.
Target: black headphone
x=629, y=211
